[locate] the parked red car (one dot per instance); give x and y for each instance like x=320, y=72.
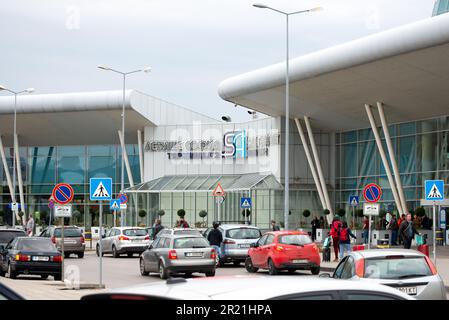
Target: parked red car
x=283, y=250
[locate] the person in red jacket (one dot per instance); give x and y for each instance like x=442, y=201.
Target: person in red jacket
x=334, y=233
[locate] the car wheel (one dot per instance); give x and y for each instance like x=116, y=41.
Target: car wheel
x=130, y=255
x=44, y=276
x=98, y=251
x=163, y=272
x=315, y=270
x=272, y=270
x=58, y=277
x=143, y=272
x=2, y=273
x=114, y=252
x=236, y=263
x=188, y=274
x=210, y=273
x=291, y=271
x=80, y=255
x=11, y=274
x=221, y=262
x=66, y=255
x=249, y=266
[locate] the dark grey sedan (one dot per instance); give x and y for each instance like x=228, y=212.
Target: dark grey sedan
x=178, y=254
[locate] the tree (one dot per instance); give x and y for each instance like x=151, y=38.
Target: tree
x=181, y=213
x=420, y=212
x=203, y=214
x=306, y=213
x=359, y=213
x=160, y=213
x=341, y=212
x=142, y=213
x=326, y=212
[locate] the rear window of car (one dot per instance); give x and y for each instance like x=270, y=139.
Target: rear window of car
x=295, y=239
x=186, y=243
x=243, y=233
x=135, y=232
x=194, y=232
x=396, y=268
x=36, y=245
x=8, y=235
x=68, y=232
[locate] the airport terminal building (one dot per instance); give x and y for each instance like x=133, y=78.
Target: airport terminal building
x=370, y=110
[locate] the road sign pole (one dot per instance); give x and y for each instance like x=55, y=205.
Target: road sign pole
x=219, y=207
x=100, y=234
x=434, y=235
x=369, y=231
x=62, y=249
x=353, y=217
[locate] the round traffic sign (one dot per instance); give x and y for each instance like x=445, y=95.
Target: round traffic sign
x=372, y=192
x=51, y=204
x=123, y=198
x=63, y=193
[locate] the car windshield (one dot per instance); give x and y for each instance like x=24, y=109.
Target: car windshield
x=243, y=233
x=398, y=268
x=36, y=245
x=187, y=243
x=8, y=235
x=186, y=232
x=135, y=232
x=68, y=232
x=295, y=239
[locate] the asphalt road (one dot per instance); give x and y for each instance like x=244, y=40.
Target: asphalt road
x=124, y=271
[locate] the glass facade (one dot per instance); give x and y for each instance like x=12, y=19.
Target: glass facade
x=421, y=150
x=441, y=6
x=43, y=167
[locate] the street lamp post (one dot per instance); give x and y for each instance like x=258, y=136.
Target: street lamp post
x=13, y=194
x=122, y=179
x=287, y=109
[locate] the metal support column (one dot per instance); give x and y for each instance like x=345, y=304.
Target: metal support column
x=128, y=170
x=5, y=166
x=383, y=157
x=140, y=146
x=19, y=178
x=318, y=165
x=391, y=153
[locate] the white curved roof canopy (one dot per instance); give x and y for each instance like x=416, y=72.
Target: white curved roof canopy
x=407, y=68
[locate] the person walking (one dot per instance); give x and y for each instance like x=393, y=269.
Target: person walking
x=315, y=225
x=344, y=238
x=30, y=226
x=400, y=220
x=157, y=227
x=393, y=227
x=365, y=231
x=274, y=226
x=322, y=222
x=407, y=231
x=334, y=233
x=183, y=223
x=215, y=238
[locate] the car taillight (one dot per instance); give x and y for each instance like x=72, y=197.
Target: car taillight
x=360, y=268
x=122, y=238
x=213, y=254
x=279, y=248
x=53, y=239
x=147, y=237
x=56, y=258
x=172, y=255
x=22, y=257
x=82, y=239
x=227, y=241
x=431, y=266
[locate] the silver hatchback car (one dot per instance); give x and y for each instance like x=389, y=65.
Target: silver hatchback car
x=237, y=239
x=124, y=240
x=178, y=254
x=408, y=271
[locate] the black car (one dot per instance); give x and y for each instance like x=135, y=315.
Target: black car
x=30, y=256
x=8, y=234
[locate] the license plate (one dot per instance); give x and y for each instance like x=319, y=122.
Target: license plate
x=300, y=261
x=194, y=254
x=244, y=246
x=37, y=258
x=137, y=240
x=69, y=241
x=409, y=290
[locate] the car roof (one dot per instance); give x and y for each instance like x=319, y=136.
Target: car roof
x=250, y=287
x=379, y=253
x=237, y=226
x=127, y=228
x=9, y=229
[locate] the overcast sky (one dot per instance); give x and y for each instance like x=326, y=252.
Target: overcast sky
x=191, y=45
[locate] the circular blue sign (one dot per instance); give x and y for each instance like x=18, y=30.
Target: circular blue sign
x=372, y=192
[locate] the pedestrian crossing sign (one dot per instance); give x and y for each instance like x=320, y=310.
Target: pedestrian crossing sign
x=434, y=190
x=115, y=204
x=245, y=203
x=100, y=189
x=353, y=201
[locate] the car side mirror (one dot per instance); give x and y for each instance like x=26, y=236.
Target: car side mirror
x=325, y=275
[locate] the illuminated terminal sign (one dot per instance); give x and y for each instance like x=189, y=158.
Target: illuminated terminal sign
x=235, y=144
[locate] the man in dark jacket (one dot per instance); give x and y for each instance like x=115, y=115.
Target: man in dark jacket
x=274, y=226
x=215, y=238
x=157, y=227
x=407, y=231
x=315, y=225
x=393, y=226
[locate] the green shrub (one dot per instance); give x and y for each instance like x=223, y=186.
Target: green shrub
x=202, y=214
x=306, y=213
x=341, y=212
x=181, y=213
x=142, y=213
x=326, y=212
x=420, y=212
x=160, y=213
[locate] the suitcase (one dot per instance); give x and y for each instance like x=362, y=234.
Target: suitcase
x=326, y=254
x=424, y=248
x=358, y=247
